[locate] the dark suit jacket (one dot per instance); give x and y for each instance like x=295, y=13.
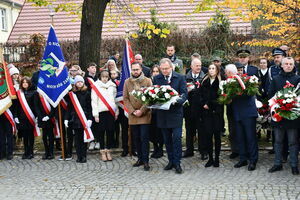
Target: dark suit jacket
x=146, y=71
x=244, y=107
x=251, y=70
x=172, y=118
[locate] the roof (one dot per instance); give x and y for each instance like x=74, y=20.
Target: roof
x=18, y=2
x=37, y=20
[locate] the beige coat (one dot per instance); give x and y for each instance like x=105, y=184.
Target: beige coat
x=132, y=104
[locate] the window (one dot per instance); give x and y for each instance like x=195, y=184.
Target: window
x=3, y=20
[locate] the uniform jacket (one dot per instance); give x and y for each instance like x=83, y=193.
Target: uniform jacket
x=40, y=112
x=84, y=98
x=132, y=103
x=20, y=114
x=109, y=91
x=172, y=118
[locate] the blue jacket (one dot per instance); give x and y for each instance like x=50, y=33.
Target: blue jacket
x=244, y=107
x=251, y=70
x=172, y=118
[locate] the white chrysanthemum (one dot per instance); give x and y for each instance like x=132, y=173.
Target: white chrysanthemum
x=156, y=90
x=284, y=101
x=138, y=93
x=164, y=89
x=167, y=96
x=143, y=98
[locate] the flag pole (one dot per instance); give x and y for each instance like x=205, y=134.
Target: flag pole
x=61, y=133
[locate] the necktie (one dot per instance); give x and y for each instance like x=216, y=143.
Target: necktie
x=167, y=79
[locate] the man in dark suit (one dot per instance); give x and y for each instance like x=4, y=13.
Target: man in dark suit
x=243, y=57
x=170, y=121
x=146, y=70
x=192, y=111
x=244, y=114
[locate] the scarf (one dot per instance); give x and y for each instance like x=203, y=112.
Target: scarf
x=172, y=58
x=137, y=81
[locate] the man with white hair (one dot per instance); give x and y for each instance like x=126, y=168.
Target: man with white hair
x=193, y=110
x=244, y=115
x=138, y=58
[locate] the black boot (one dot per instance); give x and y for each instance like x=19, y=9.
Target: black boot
x=210, y=161
x=216, y=162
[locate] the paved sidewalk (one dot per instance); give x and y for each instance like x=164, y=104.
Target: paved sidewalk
x=39, y=179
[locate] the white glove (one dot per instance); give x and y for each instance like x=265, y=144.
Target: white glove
x=89, y=123
x=17, y=120
x=45, y=119
x=66, y=122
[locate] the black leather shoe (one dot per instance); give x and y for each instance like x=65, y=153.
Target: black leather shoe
x=216, y=163
x=134, y=154
x=169, y=166
x=271, y=151
x=24, y=156
x=275, y=168
x=146, y=167
x=204, y=157
x=124, y=153
x=158, y=154
x=251, y=166
x=9, y=157
x=83, y=160
x=31, y=156
x=138, y=163
x=178, y=169
x=209, y=163
x=295, y=170
x=233, y=155
x=241, y=164
x=187, y=154
x=50, y=157
x=78, y=160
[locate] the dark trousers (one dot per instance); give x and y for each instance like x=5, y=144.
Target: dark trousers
x=193, y=126
x=172, y=140
x=232, y=134
x=140, y=134
x=106, y=130
x=156, y=136
x=292, y=136
x=80, y=146
x=28, y=141
x=6, y=140
x=247, y=140
x=48, y=140
x=217, y=141
x=68, y=140
x=123, y=120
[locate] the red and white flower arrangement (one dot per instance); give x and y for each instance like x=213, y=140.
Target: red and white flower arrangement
x=155, y=95
x=236, y=85
x=285, y=103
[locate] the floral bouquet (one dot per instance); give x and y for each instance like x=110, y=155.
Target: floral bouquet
x=285, y=103
x=235, y=86
x=157, y=97
x=192, y=85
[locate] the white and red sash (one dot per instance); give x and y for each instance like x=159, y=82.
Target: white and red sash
x=11, y=120
x=88, y=135
x=28, y=112
x=240, y=81
x=111, y=107
x=122, y=105
x=47, y=109
x=64, y=104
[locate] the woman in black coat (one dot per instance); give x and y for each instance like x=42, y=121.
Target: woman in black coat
x=72, y=120
x=44, y=122
x=212, y=113
x=23, y=125
x=285, y=126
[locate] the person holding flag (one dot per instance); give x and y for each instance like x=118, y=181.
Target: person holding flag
x=128, y=59
x=53, y=81
x=79, y=117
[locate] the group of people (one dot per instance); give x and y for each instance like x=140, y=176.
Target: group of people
x=198, y=105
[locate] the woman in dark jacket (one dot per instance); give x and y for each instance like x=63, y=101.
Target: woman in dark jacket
x=44, y=122
x=72, y=120
x=288, y=127
x=212, y=113
x=23, y=125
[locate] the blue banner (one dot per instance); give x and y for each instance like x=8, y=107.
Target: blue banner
x=54, y=82
x=128, y=58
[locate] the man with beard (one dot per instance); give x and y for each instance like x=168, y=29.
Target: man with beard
x=172, y=56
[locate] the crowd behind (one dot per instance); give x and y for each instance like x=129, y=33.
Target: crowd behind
x=204, y=116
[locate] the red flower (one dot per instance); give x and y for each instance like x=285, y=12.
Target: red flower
x=152, y=91
x=172, y=93
x=288, y=85
x=224, y=95
x=277, y=117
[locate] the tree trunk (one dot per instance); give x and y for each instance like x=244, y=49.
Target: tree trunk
x=90, y=32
